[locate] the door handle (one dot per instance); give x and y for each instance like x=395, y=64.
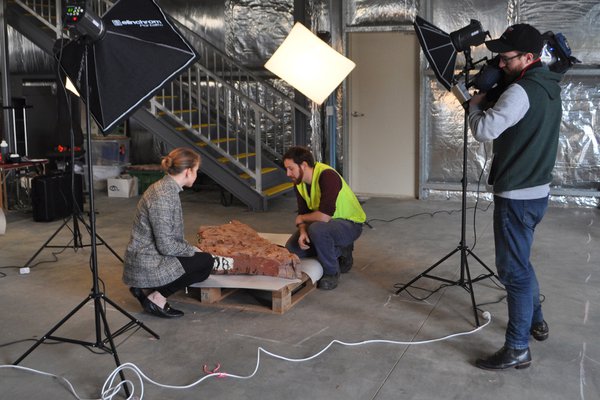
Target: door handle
x=357, y=114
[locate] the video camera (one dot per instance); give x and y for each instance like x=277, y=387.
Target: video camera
x=440, y=49
x=556, y=54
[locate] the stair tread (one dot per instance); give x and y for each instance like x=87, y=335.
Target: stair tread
x=216, y=141
x=238, y=156
x=277, y=189
x=195, y=126
x=162, y=113
x=263, y=171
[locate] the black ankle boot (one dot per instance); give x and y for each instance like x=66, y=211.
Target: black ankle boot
x=540, y=331
x=506, y=358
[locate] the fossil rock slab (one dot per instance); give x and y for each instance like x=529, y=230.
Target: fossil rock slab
x=251, y=253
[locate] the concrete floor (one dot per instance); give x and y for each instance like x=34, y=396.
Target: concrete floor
x=363, y=307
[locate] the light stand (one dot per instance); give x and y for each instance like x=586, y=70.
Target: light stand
x=76, y=217
x=465, y=281
x=120, y=61
x=101, y=323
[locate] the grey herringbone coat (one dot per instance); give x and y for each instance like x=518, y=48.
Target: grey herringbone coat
x=157, y=238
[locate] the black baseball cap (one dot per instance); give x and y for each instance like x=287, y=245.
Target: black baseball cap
x=519, y=37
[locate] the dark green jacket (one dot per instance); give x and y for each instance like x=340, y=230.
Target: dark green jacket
x=525, y=154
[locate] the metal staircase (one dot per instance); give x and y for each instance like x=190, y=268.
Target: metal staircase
x=239, y=123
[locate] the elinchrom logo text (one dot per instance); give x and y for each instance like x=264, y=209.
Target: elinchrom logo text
x=142, y=23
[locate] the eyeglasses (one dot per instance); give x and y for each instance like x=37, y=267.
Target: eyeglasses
x=506, y=60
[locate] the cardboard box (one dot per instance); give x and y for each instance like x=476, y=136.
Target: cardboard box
x=122, y=186
x=101, y=174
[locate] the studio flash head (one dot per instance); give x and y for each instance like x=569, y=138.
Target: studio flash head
x=441, y=48
x=469, y=36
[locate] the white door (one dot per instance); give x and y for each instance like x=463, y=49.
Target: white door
x=383, y=111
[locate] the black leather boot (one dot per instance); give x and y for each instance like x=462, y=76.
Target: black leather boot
x=506, y=358
x=540, y=331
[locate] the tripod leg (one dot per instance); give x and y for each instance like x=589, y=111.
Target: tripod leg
x=54, y=328
x=491, y=273
x=76, y=234
x=424, y=273
x=470, y=290
x=45, y=244
x=102, y=241
x=131, y=317
x=100, y=311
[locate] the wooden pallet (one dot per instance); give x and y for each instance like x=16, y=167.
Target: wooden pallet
x=279, y=300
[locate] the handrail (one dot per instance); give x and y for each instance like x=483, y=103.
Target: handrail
x=246, y=71
x=237, y=91
x=229, y=90
x=196, y=106
x=37, y=11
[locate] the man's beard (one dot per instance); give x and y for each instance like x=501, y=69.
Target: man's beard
x=510, y=76
x=300, y=177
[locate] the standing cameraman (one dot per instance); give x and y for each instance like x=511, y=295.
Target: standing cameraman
x=524, y=125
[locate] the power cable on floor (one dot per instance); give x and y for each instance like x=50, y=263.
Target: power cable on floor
x=57, y=377
x=54, y=255
x=431, y=214
x=450, y=212
x=443, y=285
x=111, y=388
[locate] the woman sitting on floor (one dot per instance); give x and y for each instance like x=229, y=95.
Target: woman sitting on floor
x=158, y=260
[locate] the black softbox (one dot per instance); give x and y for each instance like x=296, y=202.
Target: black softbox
x=139, y=51
x=438, y=49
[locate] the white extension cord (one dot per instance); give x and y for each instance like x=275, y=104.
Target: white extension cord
x=110, y=389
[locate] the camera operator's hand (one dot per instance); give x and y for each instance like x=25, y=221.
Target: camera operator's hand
x=477, y=102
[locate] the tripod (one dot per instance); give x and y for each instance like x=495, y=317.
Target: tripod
x=76, y=217
x=101, y=323
x=465, y=281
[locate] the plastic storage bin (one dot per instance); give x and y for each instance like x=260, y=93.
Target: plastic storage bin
x=110, y=151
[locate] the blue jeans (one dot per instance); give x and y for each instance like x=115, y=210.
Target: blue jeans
x=514, y=226
x=326, y=242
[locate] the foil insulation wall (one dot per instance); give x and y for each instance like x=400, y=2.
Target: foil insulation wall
x=254, y=29
x=25, y=57
x=251, y=30
x=576, y=19
x=206, y=19
x=578, y=159
x=381, y=12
